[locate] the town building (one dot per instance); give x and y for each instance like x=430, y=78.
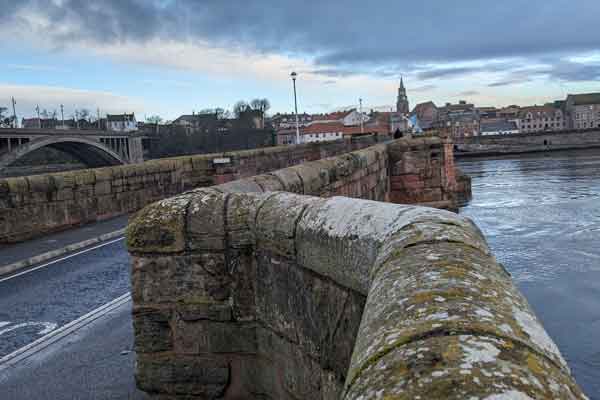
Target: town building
x=458, y=120
x=498, y=127
x=347, y=117
x=252, y=118
x=426, y=113
x=322, y=132
x=195, y=121
x=540, y=119
x=287, y=121
x=39, y=123
x=402, y=106
x=399, y=123
x=414, y=124
x=286, y=136
x=121, y=122
x=327, y=131
x=583, y=110
x=489, y=113
x=510, y=112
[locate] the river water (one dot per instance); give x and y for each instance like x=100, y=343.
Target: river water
x=541, y=216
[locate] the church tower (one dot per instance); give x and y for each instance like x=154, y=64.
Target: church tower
x=402, y=103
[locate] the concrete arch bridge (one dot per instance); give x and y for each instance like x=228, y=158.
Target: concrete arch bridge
x=92, y=148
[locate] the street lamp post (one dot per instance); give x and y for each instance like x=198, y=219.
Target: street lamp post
x=360, y=113
x=294, y=75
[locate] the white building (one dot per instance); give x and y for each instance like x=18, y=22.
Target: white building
x=501, y=127
x=121, y=122
x=322, y=132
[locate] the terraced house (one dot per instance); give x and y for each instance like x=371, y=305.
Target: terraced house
x=584, y=110
x=540, y=119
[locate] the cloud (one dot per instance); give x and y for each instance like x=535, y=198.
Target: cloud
x=469, y=93
x=574, y=71
x=446, y=72
x=35, y=68
x=341, y=51
x=429, y=32
x=424, y=88
x=51, y=97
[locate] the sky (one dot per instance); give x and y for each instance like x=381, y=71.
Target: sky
x=172, y=57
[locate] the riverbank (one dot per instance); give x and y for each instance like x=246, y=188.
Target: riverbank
x=541, y=142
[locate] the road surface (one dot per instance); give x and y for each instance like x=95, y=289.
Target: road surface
x=95, y=361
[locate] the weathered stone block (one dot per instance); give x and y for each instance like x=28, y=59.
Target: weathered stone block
x=160, y=227
x=189, y=376
x=186, y=279
x=291, y=180
x=206, y=220
x=276, y=222
x=152, y=330
x=210, y=337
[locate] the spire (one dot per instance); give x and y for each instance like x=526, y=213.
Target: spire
x=401, y=83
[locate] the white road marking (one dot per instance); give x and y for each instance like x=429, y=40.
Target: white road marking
x=47, y=327
x=4, y=323
x=25, y=352
x=61, y=259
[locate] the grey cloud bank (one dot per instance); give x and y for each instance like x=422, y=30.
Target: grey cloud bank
x=343, y=37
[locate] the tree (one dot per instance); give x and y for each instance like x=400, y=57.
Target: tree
x=7, y=122
x=265, y=105
x=261, y=105
x=2, y=117
x=84, y=113
x=256, y=104
x=48, y=115
x=154, y=119
x=240, y=107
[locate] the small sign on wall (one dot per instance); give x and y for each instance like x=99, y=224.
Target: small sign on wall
x=223, y=160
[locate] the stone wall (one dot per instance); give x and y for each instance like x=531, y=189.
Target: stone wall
x=35, y=205
x=526, y=143
x=421, y=171
x=240, y=292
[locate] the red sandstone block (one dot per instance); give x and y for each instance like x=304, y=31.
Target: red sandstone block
x=220, y=179
x=400, y=198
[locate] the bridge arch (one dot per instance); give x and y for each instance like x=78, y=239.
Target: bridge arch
x=90, y=152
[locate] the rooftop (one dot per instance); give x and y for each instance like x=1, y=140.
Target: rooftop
x=585, y=98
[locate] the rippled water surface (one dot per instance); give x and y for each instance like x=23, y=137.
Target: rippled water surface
x=541, y=216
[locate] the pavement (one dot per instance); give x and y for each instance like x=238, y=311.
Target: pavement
x=14, y=253
x=90, y=360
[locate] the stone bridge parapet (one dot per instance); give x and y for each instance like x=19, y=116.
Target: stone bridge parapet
x=257, y=288
x=405, y=171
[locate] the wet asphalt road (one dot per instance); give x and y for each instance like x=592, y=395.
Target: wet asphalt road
x=33, y=304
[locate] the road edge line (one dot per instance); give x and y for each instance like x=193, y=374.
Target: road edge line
x=19, y=265
x=10, y=360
